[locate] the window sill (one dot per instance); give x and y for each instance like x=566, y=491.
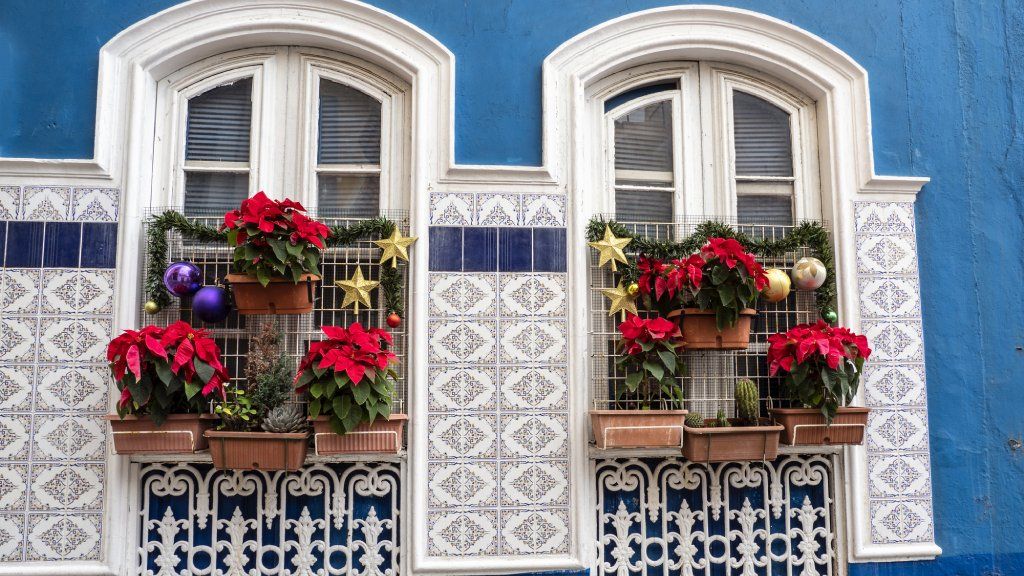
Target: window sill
x=598, y=454
x=204, y=457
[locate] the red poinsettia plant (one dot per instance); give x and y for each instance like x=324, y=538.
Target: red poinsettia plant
x=349, y=376
x=663, y=284
x=731, y=279
x=822, y=364
x=649, y=357
x=160, y=371
x=274, y=238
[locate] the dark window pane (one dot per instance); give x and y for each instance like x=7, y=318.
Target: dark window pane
x=643, y=206
x=213, y=193
x=643, y=139
x=763, y=209
x=349, y=126
x=761, y=136
x=349, y=195
x=218, y=123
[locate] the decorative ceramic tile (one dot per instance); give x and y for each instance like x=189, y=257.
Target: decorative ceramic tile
x=462, y=484
x=458, y=389
x=67, y=487
x=534, y=435
x=526, y=341
x=49, y=203
x=528, y=388
x=886, y=255
x=78, y=291
x=544, y=210
x=14, y=436
x=469, y=436
x=19, y=291
x=17, y=339
x=12, y=537
x=95, y=204
x=64, y=536
x=13, y=481
x=73, y=340
x=59, y=437
x=531, y=532
x=533, y=295
x=897, y=341
x=897, y=297
x=451, y=209
x=461, y=342
x=891, y=385
x=535, y=483
x=899, y=521
x=883, y=218
x=497, y=210
x=898, y=430
x=16, y=388
x=469, y=533
x=10, y=199
x=903, y=475
x=470, y=294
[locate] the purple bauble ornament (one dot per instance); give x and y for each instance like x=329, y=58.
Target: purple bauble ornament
x=183, y=279
x=211, y=304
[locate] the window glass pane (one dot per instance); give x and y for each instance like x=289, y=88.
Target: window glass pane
x=643, y=139
x=219, y=122
x=349, y=195
x=211, y=193
x=349, y=126
x=762, y=209
x=643, y=205
x=761, y=137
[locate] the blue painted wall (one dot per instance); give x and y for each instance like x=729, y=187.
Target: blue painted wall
x=947, y=90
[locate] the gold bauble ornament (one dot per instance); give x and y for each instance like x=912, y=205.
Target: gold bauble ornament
x=633, y=289
x=395, y=247
x=621, y=300
x=778, y=285
x=808, y=274
x=610, y=248
x=152, y=307
x=357, y=290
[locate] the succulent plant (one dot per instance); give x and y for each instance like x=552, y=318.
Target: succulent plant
x=721, y=421
x=747, y=403
x=694, y=420
x=269, y=373
x=287, y=417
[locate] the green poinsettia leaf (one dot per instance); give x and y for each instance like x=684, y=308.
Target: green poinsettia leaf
x=314, y=408
x=361, y=393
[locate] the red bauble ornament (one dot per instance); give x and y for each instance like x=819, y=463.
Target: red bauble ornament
x=394, y=320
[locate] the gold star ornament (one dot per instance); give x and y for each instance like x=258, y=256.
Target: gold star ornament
x=610, y=248
x=621, y=300
x=357, y=290
x=395, y=247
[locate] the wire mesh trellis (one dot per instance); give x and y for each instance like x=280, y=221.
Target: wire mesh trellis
x=297, y=330
x=709, y=377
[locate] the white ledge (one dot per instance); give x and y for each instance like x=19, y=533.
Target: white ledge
x=204, y=457
x=616, y=453
x=56, y=569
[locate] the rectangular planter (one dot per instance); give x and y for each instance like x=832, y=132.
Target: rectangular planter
x=733, y=444
x=281, y=296
x=257, y=450
x=637, y=428
x=806, y=426
x=700, y=330
x=179, y=434
x=382, y=436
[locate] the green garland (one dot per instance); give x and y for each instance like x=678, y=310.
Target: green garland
x=810, y=234
x=161, y=224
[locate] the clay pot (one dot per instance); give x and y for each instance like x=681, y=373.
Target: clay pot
x=179, y=434
x=281, y=296
x=257, y=450
x=806, y=426
x=637, y=428
x=700, y=332
x=733, y=444
x=382, y=436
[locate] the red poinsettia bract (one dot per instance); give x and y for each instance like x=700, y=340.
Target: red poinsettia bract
x=670, y=279
x=194, y=351
x=637, y=331
x=730, y=252
x=353, y=351
x=817, y=342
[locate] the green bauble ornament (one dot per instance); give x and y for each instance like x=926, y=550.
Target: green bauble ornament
x=152, y=307
x=830, y=316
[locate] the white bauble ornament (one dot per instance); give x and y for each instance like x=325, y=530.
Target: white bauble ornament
x=778, y=285
x=808, y=274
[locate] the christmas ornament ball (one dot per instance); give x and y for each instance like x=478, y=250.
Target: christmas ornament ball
x=394, y=320
x=830, y=316
x=633, y=289
x=152, y=307
x=778, y=285
x=808, y=274
x=183, y=279
x=211, y=304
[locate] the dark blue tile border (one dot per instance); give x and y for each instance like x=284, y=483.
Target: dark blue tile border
x=488, y=249
x=516, y=249
x=549, y=250
x=445, y=248
x=33, y=244
x=99, y=245
x=62, y=244
x=24, y=244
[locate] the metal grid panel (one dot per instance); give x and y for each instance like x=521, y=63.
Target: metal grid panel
x=710, y=376
x=297, y=330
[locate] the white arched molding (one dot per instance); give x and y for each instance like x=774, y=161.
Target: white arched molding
x=888, y=504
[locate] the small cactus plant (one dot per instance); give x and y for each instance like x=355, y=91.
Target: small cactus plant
x=721, y=421
x=694, y=420
x=747, y=403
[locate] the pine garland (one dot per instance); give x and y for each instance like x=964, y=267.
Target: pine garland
x=810, y=234
x=161, y=224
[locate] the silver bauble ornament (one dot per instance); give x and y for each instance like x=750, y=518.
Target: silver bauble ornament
x=808, y=274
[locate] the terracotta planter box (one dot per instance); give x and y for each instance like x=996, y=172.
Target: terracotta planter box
x=638, y=428
x=382, y=436
x=281, y=296
x=700, y=332
x=734, y=444
x=257, y=450
x=806, y=426
x=179, y=434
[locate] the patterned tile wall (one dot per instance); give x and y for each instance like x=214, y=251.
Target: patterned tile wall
x=497, y=408
x=899, y=470
x=57, y=249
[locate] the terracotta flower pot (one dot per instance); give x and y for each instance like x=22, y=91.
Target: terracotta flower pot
x=281, y=296
x=382, y=436
x=806, y=426
x=700, y=332
x=257, y=450
x=733, y=444
x=179, y=434
x=637, y=428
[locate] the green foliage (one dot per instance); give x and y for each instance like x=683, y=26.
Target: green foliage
x=727, y=291
x=721, y=421
x=748, y=405
x=651, y=376
x=269, y=371
x=236, y=412
x=348, y=405
x=814, y=384
x=694, y=420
